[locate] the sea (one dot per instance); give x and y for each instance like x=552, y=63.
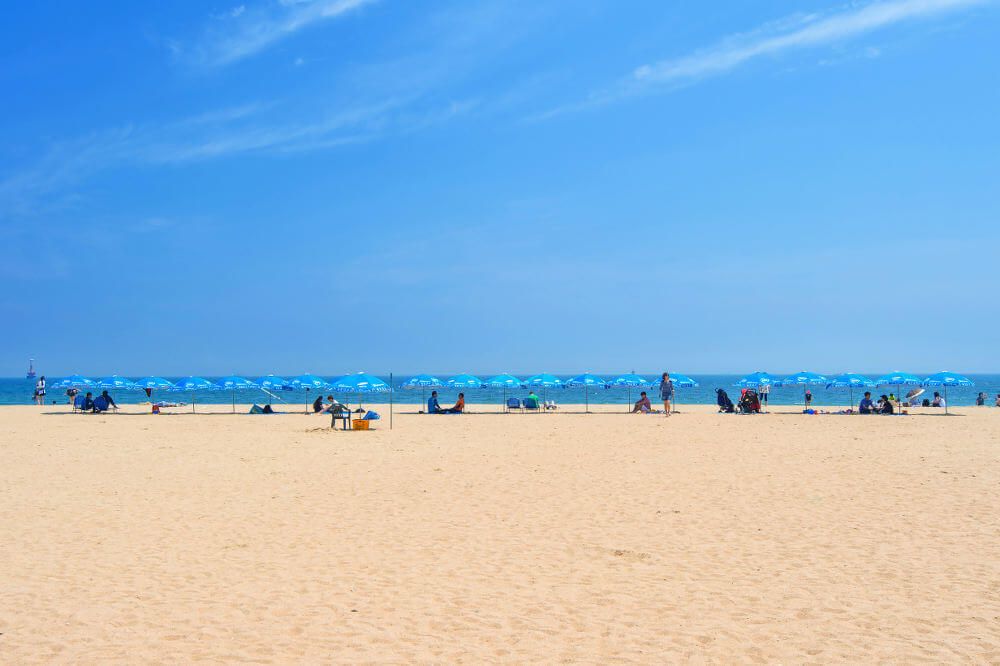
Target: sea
x=18, y=391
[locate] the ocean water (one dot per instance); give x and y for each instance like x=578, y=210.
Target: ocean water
x=18, y=391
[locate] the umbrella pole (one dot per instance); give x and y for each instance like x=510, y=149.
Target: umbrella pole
x=234, y=401
x=945, y=398
x=390, y=401
x=850, y=393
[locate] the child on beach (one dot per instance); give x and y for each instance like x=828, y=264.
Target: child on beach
x=809, y=398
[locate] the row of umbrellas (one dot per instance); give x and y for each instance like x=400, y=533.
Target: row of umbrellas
x=852, y=380
x=358, y=383
x=543, y=380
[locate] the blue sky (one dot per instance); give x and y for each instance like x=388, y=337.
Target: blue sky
x=343, y=185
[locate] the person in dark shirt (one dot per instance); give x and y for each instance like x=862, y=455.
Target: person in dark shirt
x=88, y=402
x=433, y=406
x=318, y=403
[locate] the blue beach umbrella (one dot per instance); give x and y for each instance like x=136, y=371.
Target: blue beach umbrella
x=360, y=383
x=898, y=379
x=193, y=384
x=114, y=383
x=628, y=381
x=587, y=381
x=73, y=381
x=465, y=381
x=272, y=383
x=422, y=382
x=234, y=383
x=680, y=381
x=307, y=382
x=805, y=379
x=503, y=381
x=150, y=384
x=543, y=380
x=945, y=379
x=757, y=379
x=850, y=381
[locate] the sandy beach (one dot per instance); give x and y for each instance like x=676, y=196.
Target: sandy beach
x=600, y=538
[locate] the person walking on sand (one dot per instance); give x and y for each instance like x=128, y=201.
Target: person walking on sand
x=666, y=392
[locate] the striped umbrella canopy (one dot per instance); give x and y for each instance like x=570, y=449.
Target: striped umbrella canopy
x=465, y=381
x=114, y=382
x=587, y=381
x=945, y=379
x=73, y=381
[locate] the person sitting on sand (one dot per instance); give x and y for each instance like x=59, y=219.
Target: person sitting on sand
x=433, y=406
x=938, y=401
x=318, y=404
x=997, y=403
x=885, y=405
x=642, y=405
x=107, y=403
x=459, y=407
x=88, y=402
x=866, y=406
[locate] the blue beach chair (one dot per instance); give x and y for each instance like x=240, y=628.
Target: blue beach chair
x=513, y=403
x=531, y=405
x=78, y=402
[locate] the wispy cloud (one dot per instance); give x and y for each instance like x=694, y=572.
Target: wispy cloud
x=244, y=31
x=817, y=31
x=772, y=39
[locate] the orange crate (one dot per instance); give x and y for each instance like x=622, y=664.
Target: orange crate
x=360, y=424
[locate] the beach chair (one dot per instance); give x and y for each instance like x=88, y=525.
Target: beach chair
x=342, y=412
x=513, y=403
x=531, y=405
x=78, y=402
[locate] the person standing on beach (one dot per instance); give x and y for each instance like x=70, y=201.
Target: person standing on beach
x=763, y=392
x=666, y=392
x=40, y=391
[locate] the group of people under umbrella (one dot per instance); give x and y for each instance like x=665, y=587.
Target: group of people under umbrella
x=363, y=383
x=851, y=381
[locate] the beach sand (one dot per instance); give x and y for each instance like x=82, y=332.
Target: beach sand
x=499, y=538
